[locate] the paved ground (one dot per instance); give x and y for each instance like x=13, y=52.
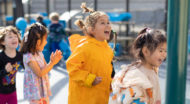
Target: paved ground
x=59, y=83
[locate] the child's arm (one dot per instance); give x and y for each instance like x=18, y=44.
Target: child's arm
x=75, y=69
x=54, y=59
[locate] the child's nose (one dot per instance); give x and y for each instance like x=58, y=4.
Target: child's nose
x=164, y=54
x=108, y=25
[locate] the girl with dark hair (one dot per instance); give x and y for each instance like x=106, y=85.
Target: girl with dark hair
x=139, y=82
x=36, y=82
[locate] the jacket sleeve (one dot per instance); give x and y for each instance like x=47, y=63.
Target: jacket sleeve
x=75, y=65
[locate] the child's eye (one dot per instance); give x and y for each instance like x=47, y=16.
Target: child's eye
x=102, y=23
x=163, y=51
x=10, y=37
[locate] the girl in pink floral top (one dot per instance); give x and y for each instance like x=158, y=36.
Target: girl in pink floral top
x=36, y=82
x=138, y=83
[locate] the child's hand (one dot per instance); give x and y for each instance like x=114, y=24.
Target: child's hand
x=8, y=67
x=97, y=81
x=56, y=57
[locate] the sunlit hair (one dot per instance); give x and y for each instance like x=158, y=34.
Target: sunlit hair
x=90, y=20
x=5, y=31
x=33, y=34
x=54, y=16
x=149, y=38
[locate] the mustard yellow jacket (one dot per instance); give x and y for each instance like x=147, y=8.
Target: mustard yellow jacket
x=90, y=59
x=75, y=40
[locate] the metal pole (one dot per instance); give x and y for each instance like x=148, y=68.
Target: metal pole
x=29, y=11
x=177, y=51
x=14, y=12
x=127, y=28
x=95, y=5
x=166, y=12
x=69, y=9
x=127, y=10
x=5, y=7
x=47, y=7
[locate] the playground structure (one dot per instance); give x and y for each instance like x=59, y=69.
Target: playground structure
x=178, y=14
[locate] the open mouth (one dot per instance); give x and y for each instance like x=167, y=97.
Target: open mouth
x=106, y=32
x=160, y=60
x=14, y=43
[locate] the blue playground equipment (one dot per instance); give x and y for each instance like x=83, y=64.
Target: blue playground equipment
x=118, y=49
x=63, y=45
x=43, y=14
x=32, y=20
x=65, y=48
x=116, y=17
x=46, y=21
x=9, y=18
x=21, y=24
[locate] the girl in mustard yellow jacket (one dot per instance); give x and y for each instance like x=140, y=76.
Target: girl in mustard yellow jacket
x=89, y=66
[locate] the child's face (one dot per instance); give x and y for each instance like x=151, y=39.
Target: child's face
x=102, y=28
x=158, y=56
x=41, y=43
x=11, y=41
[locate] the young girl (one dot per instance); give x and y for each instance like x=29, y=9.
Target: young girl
x=138, y=82
x=10, y=60
x=89, y=66
x=36, y=82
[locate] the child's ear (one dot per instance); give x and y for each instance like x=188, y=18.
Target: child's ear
x=145, y=51
x=38, y=42
x=91, y=30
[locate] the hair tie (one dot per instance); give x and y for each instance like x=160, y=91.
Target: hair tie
x=40, y=25
x=148, y=30
x=26, y=36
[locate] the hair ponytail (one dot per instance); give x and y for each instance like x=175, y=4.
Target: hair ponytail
x=80, y=24
x=85, y=9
